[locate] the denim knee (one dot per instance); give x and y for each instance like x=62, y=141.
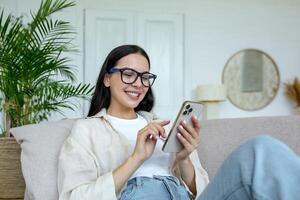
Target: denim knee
x=264, y=142
x=259, y=146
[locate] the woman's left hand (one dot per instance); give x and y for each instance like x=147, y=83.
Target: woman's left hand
x=188, y=135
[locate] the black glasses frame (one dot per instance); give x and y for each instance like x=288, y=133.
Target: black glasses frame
x=153, y=76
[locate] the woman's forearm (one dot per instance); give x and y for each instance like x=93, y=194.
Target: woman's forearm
x=187, y=171
x=124, y=171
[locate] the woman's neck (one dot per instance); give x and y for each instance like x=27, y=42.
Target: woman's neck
x=121, y=113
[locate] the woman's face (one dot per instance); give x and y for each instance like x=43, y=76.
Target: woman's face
x=127, y=96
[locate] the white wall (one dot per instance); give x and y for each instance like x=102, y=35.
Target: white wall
x=214, y=30
x=224, y=28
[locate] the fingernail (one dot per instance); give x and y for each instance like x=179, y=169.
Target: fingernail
x=195, y=117
x=162, y=138
x=184, y=121
x=181, y=127
x=179, y=134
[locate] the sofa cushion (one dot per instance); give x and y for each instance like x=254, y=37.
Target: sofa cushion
x=40, y=145
x=220, y=137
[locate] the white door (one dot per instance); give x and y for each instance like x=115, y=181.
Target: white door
x=103, y=31
x=159, y=34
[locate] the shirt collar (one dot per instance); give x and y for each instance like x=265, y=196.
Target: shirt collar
x=149, y=116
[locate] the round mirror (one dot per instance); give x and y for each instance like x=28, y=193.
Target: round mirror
x=251, y=78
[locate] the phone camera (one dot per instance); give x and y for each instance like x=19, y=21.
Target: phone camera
x=187, y=106
x=191, y=109
x=185, y=112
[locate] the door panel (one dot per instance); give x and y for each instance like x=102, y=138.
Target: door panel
x=161, y=36
x=103, y=31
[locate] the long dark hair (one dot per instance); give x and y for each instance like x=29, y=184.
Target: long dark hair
x=101, y=97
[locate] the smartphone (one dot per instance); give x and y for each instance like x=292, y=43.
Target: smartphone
x=187, y=110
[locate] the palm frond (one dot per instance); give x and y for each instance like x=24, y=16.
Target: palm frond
x=49, y=7
x=35, y=77
x=56, y=95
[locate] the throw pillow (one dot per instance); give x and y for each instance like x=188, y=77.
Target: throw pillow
x=41, y=145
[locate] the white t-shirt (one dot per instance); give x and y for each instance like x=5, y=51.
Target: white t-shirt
x=159, y=163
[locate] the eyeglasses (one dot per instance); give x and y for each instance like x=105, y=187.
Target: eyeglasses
x=129, y=76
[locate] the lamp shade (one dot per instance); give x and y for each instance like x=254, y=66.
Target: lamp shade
x=210, y=93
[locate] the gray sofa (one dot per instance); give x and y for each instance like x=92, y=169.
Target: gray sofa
x=41, y=143
x=219, y=137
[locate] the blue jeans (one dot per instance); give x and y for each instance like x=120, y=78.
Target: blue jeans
x=156, y=188
x=262, y=169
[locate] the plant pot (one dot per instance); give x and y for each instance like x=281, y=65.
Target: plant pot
x=12, y=185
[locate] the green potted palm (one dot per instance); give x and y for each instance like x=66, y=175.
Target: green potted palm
x=36, y=78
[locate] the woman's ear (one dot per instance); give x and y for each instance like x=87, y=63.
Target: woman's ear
x=106, y=80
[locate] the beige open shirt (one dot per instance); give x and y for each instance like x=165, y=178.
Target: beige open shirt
x=93, y=150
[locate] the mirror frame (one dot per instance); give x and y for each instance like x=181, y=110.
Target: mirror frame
x=256, y=106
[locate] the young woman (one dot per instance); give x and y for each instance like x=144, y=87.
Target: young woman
x=116, y=152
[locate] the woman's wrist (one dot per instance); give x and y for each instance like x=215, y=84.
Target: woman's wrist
x=187, y=172
x=184, y=162
x=136, y=159
x=185, y=166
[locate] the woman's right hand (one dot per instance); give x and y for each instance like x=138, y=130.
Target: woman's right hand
x=147, y=138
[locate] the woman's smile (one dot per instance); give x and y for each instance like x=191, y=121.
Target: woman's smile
x=133, y=94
